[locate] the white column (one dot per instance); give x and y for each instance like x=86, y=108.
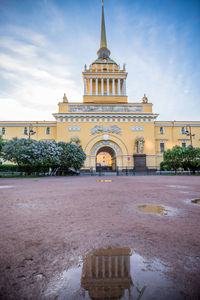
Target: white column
x=90, y=266
x=118, y=86
x=103, y=266
x=85, y=86
x=113, y=86
x=108, y=92
x=107, y=67
x=116, y=266
x=113, y=68
x=96, y=86
x=102, y=87
x=96, y=68
x=122, y=266
x=90, y=86
x=124, y=87
x=109, y=266
x=102, y=68
x=97, y=266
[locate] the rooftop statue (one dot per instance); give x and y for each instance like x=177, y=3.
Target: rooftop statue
x=65, y=98
x=145, y=99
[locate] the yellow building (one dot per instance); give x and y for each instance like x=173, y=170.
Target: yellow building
x=106, y=122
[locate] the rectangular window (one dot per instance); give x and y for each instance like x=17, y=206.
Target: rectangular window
x=183, y=130
x=183, y=144
x=162, y=147
x=48, y=130
x=25, y=131
x=3, y=131
x=161, y=130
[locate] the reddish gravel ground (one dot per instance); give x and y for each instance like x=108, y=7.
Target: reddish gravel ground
x=47, y=223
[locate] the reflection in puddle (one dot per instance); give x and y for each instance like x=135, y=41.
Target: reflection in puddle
x=104, y=180
x=113, y=274
x=6, y=186
x=196, y=201
x=154, y=209
x=178, y=186
x=106, y=273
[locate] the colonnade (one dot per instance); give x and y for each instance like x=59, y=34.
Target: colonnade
x=105, y=82
x=111, y=266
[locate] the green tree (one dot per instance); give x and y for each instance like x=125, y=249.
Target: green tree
x=71, y=156
x=1, y=147
x=1, y=143
x=191, y=159
x=32, y=156
x=20, y=152
x=173, y=159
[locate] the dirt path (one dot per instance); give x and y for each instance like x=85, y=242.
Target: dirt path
x=46, y=224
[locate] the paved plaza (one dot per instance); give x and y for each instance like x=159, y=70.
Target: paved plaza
x=48, y=225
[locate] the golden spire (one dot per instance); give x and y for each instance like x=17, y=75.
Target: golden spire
x=103, y=51
x=103, y=30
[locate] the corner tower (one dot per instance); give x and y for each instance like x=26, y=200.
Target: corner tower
x=104, y=81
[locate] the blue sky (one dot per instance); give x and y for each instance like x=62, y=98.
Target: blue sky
x=44, y=45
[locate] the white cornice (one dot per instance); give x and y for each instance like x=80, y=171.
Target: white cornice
x=177, y=124
x=5, y=124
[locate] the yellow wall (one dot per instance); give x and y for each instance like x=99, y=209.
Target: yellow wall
x=126, y=141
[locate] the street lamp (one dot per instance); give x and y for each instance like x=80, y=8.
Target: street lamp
x=189, y=133
x=30, y=131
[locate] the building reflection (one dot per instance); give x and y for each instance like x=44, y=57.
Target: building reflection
x=106, y=273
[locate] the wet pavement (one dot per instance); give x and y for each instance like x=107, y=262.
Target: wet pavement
x=117, y=273
x=196, y=201
x=50, y=226
x=154, y=209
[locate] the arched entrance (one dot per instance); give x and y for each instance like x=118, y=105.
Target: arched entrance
x=106, y=159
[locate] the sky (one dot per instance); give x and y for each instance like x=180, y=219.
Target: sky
x=44, y=45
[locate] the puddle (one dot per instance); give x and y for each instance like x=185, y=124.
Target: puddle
x=6, y=186
x=154, y=209
x=185, y=192
x=114, y=274
x=104, y=180
x=196, y=201
x=178, y=186
x=26, y=205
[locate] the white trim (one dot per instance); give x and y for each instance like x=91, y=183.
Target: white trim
x=177, y=125
x=27, y=124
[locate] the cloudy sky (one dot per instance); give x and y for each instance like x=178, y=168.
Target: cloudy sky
x=44, y=45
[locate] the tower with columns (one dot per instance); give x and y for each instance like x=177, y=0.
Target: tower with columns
x=104, y=80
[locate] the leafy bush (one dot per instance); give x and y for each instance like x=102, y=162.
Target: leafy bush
x=33, y=156
x=6, y=167
x=181, y=158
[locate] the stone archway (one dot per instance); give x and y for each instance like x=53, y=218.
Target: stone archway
x=106, y=159
x=100, y=141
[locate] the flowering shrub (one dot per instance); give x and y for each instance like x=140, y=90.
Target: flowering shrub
x=40, y=156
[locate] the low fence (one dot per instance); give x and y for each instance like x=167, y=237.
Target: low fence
x=131, y=172
x=118, y=172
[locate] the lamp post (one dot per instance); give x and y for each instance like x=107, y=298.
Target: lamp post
x=189, y=133
x=30, y=131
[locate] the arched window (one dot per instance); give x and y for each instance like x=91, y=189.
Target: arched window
x=3, y=131
x=48, y=131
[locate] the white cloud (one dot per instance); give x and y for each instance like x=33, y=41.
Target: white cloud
x=37, y=79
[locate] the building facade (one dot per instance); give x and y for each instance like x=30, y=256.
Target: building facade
x=112, y=132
